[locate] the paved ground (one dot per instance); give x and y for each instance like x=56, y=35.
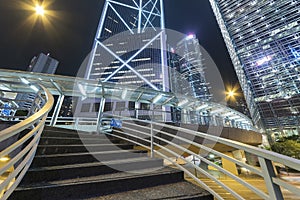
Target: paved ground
x=242, y=190
x=255, y=180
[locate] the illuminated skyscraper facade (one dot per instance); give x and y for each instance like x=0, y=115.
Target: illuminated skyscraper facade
x=43, y=64
x=129, y=46
x=129, y=49
x=187, y=74
x=263, y=39
x=40, y=64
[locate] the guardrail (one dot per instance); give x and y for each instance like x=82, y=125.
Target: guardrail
x=168, y=141
x=19, y=141
x=153, y=115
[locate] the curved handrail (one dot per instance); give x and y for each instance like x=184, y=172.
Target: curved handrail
x=151, y=135
x=30, y=120
x=20, y=162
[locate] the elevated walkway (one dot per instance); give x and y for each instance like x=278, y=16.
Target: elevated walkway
x=63, y=86
x=66, y=164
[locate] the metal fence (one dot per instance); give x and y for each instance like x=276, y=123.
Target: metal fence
x=22, y=130
x=170, y=142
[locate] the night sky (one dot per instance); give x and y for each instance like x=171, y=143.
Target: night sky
x=69, y=37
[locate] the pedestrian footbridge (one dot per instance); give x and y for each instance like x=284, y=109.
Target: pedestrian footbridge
x=141, y=159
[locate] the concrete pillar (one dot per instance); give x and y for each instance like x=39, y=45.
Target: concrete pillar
x=228, y=165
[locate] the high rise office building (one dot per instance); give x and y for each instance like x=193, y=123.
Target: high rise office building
x=129, y=46
x=129, y=49
x=43, y=64
x=187, y=70
x=263, y=40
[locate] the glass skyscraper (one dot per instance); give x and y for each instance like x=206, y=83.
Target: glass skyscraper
x=263, y=39
x=43, y=64
x=187, y=70
x=129, y=45
x=129, y=49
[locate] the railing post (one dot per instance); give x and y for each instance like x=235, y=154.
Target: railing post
x=76, y=123
x=57, y=109
x=268, y=173
x=152, y=147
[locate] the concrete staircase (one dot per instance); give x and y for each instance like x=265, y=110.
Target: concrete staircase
x=69, y=165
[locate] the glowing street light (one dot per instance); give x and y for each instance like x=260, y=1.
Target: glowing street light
x=39, y=10
x=231, y=94
x=38, y=14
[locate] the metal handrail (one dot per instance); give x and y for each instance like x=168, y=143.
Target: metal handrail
x=150, y=135
x=28, y=130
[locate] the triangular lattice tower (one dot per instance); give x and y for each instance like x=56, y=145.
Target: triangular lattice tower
x=130, y=45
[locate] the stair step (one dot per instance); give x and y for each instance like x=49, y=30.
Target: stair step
x=60, y=132
x=86, y=157
x=47, y=174
x=60, y=149
x=69, y=140
x=81, y=188
x=65, y=130
x=67, y=166
x=52, y=133
x=179, y=191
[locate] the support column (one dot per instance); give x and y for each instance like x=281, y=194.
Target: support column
x=268, y=173
x=100, y=114
x=185, y=118
x=57, y=109
x=229, y=165
x=140, y=16
x=214, y=120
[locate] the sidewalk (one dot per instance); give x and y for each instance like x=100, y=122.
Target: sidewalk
x=253, y=179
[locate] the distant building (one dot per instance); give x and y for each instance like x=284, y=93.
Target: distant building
x=40, y=64
x=67, y=107
x=43, y=64
x=263, y=40
x=239, y=104
x=187, y=76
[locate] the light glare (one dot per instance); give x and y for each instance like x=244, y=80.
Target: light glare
x=39, y=10
x=190, y=36
x=4, y=159
x=231, y=93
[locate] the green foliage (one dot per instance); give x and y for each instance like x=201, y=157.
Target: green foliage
x=288, y=147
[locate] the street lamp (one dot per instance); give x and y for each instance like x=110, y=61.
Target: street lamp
x=39, y=15
x=231, y=94
x=39, y=9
